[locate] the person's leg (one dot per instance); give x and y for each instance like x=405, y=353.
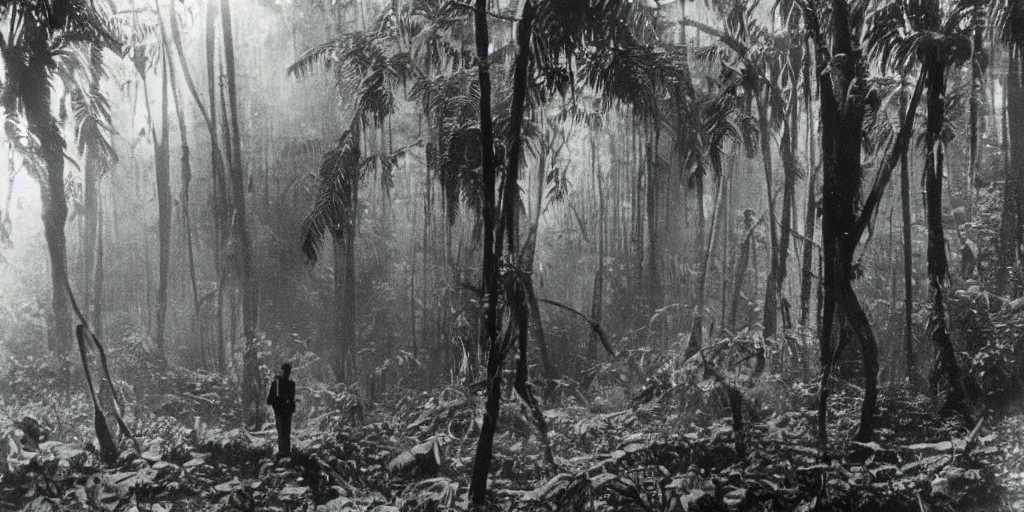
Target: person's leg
x=286, y=434
x=279, y=424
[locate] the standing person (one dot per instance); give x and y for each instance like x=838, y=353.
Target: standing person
x=282, y=400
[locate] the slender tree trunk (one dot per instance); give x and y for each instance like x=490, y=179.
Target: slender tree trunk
x=807, y=280
x=186, y=164
x=977, y=88
x=788, y=149
x=655, y=297
x=726, y=241
x=219, y=200
x=251, y=385
x=351, y=312
x=741, y=269
x=696, y=340
x=597, y=298
x=98, y=278
x=807, y=276
x=94, y=168
x=937, y=262
x=163, y=201
x=337, y=348
x=489, y=272
x=908, y=259
x=492, y=251
x=771, y=294
x=44, y=126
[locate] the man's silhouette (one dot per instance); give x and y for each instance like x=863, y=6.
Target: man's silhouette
x=282, y=399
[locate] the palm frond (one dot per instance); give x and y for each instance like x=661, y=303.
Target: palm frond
x=332, y=211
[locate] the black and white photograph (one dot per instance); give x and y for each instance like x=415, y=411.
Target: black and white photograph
x=511, y=255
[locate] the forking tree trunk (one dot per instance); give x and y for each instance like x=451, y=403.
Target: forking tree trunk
x=251, y=382
x=842, y=118
x=492, y=250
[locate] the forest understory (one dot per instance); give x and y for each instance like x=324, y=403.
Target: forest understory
x=665, y=448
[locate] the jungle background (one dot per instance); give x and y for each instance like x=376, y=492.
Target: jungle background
x=523, y=254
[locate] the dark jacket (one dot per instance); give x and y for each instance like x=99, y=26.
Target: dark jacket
x=282, y=395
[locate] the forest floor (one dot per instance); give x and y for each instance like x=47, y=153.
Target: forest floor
x=414, y=453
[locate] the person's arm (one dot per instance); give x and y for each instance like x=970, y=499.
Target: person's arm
x=272, y=395
x=291, y=396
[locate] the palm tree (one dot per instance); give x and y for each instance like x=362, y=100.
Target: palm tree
x=370, y=65
x=938, y=38
x=40, y=34
x=714, y=123
x=42, y=37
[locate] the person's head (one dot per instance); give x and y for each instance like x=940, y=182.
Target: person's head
x=286, y=369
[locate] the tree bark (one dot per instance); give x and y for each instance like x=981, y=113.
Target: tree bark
x=251, y=382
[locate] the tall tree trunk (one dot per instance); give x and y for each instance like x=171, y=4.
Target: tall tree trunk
x=220, y=198
x=807, y=277
x=163, y=201
x=492, y=250
x=94, y=168
x=841, y=226
x=908, y=259
x=337, y=348
x=1012, y=228
x=186, y=163
x=654, y=291
x=977, y=88
x=489, y=271
x=741, y=266
x=597, y=298
x=43, y=125
x=350, y=313
x=98, y=278
x=945, y=357
x=696, y=340
x=251, y=385
x=771, y=289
